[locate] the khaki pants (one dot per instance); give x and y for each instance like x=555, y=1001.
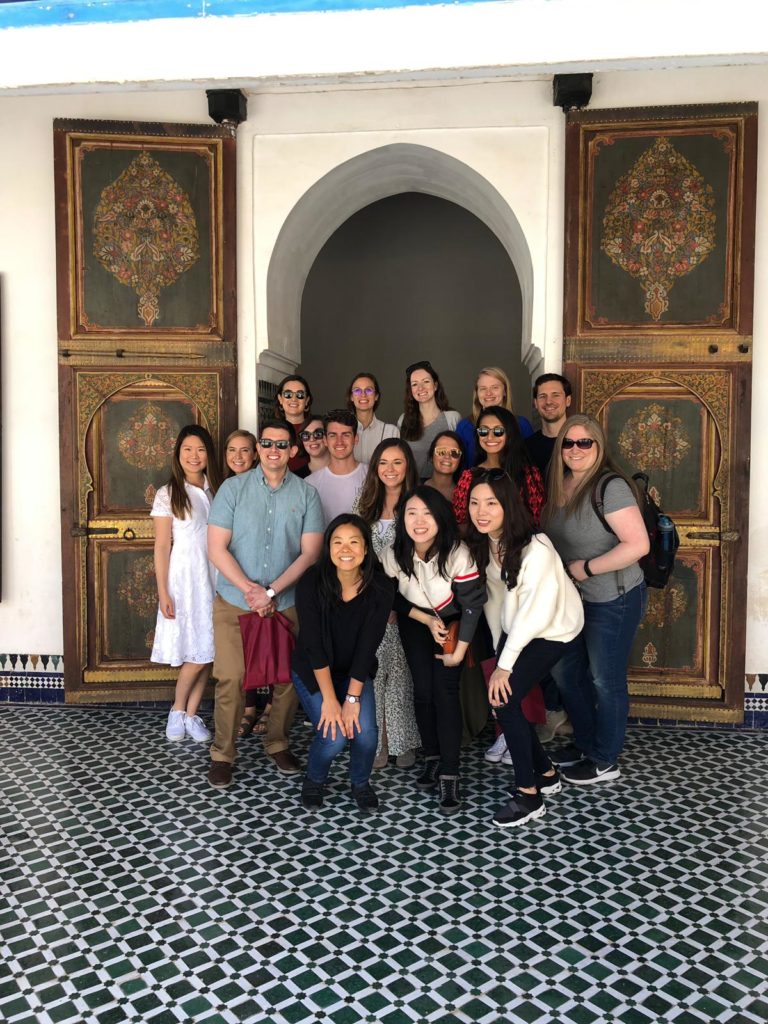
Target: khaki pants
x=229, y=669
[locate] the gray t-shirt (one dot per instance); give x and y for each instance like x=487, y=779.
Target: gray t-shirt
x=582, y=535
x=445, y=421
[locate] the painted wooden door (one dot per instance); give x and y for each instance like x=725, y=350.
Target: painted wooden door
x=123, y=426
x=145, y=239
x=658, y=316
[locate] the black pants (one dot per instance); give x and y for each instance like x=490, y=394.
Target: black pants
x=534, y=662
x=435, y=695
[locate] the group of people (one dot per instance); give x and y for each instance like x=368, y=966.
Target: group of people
x=394, y=551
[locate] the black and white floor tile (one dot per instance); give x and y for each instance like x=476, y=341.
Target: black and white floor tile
x=132, y=892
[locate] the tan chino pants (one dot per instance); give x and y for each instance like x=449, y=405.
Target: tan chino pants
x=229, y=669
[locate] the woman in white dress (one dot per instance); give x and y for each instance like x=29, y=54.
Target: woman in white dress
x=185, y=578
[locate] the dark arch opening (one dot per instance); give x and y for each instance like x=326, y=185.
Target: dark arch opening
x=408, y=277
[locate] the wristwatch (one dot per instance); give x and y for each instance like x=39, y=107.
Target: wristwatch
x=352, y=699
x=270, y=592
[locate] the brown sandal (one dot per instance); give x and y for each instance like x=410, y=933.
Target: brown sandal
x=247, y=725
x=262, y=724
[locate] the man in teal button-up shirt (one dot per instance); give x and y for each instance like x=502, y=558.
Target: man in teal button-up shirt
x=265, y=528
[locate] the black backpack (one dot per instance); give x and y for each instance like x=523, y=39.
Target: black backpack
x=657, y=565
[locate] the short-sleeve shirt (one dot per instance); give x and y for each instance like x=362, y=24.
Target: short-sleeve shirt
x=371, y=436
x=582, y=535
x=267, y=526
x=338, y=492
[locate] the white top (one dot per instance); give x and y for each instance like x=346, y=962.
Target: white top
x=372, y=435
x=337, y=493
x=544, y=604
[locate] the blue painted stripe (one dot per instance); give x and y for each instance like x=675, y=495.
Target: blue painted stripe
x=30, y=13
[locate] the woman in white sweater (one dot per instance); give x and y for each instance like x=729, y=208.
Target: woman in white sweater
x=534, y=612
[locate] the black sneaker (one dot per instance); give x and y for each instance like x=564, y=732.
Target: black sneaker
x=365, y=798
x=521, y=808
x=428, y=778
x=548, y=785
x=566, y=756
x=587, y=773
x=312, y=794
x=450, y=794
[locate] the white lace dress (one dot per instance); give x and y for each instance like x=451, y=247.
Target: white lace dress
x=191, y=584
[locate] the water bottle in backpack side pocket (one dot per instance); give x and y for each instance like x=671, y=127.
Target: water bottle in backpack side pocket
x=666, y=546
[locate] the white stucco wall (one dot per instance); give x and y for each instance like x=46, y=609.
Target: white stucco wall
x=507, y=131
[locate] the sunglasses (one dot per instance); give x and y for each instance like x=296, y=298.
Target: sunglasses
x=483, y=476
x=359, y=392
x=267, y=442
x=307, y=435
x=443, y=453
x=294, y=394
x=424, y=365
x=585, y=443
x=496, y=431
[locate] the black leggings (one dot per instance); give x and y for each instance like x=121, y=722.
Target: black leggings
x=533, y=663
x=435, y=695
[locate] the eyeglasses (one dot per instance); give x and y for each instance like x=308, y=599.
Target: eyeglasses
x=316, y=434
x=496, y=431
x=585, y=443
x=294, y=394
x=267, y=442
x=359, y=392
x=444, y=453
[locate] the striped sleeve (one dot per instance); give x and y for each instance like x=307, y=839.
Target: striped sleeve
x=468, y=590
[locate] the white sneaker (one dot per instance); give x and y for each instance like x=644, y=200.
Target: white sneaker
x=506, y=757
x=174, y=730
x=196, y=729
x=495, y=753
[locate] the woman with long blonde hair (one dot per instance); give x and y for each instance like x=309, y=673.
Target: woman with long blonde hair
x=603, y=562
x=492, y=387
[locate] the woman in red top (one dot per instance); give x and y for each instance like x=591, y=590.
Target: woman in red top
x=502, y=443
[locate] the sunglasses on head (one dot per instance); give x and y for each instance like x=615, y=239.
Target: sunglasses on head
x=267, y=442
x=423, y=365
x=294, y=394
x=585, y=443
x=359, y=392
x=496, y=431
x=316, y=434
x=484, y=476
x=443, y=453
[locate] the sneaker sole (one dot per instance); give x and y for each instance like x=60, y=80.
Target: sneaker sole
x=608, y=777
x=202, y=739
x=538, y=813
x=220, y=785
x=556, y=787
x=175, y=739
x=493, y=759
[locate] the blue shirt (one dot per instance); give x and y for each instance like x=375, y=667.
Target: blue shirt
x=267, y=526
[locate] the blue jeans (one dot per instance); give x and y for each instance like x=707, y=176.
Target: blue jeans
x=362, y=749
x=592, y=677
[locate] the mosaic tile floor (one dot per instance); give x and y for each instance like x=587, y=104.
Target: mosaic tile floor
x=130, y=891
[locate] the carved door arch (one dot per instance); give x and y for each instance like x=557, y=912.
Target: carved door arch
x=678, y=425
x=124, y=425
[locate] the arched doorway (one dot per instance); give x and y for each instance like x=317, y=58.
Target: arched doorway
x=408, y=277
x=357, y=183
